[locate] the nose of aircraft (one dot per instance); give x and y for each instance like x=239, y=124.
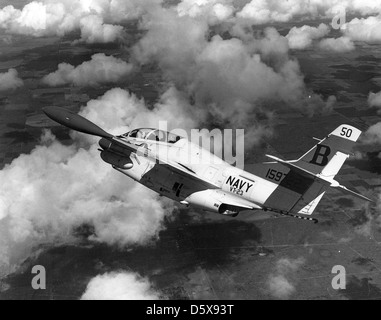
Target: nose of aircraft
x=75, y=121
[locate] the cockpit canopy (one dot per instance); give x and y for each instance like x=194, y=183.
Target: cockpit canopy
x=152, y=134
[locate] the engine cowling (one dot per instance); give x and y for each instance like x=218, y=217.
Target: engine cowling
x=110, y=146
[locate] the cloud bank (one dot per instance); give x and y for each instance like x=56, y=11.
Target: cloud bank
x=94, y=30
x=214, y=11
x=98, y=20
x=342, y=44
x=366, y=29
x=119, y=286
x=267, y=11
x=102, y=20
x=374, y=99
x=371, y=213
x=372, y=135
x=10, y=80
x=301, y=38
x=227, y=80
x=100, y=69
x=49, y=193
x=281, y=283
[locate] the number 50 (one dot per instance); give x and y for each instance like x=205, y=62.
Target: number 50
x=346, y=132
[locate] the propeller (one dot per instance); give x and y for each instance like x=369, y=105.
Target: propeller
x=74, y=121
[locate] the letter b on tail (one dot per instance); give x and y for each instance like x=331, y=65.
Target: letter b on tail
x=320, y=157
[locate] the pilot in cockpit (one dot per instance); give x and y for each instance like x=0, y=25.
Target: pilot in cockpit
x=152, y=134
x=131, y=134
x=137, y=133
x=141, y=134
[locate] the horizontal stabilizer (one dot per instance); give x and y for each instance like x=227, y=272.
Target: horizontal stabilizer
x=306, y=173
x=301, y=171
x=352, y=193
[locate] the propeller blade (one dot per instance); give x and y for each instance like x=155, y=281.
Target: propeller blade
x=74, y=121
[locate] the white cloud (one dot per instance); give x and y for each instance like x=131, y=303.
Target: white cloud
x=372, y=135
x=364, y=7
x=281, y=283
x=98, y=20
x=30, y=20
x=301, y=38
x=266, y=11
x=10, y=80
x=173, y=42
x=214, y=11
x=372, y=219
x=58, y=17
x=280, y=287
x=100, y=69
x=57, y=188
x=229, y=73
x=119, y=286
x=93, y=30
x=368, y=29
x=374, y=99
x=342, y=44
x=33, y=16
x=226, y=78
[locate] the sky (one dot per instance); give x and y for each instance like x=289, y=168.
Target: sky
x=223, y=64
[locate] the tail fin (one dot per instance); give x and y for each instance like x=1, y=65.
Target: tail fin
x=313, y=173
x=328, y=156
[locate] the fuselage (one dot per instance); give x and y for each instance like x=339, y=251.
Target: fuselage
x=183, y=171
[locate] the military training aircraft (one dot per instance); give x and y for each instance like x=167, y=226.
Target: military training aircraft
x=183, y=171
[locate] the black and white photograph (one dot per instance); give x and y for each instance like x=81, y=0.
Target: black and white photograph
x=202, y=151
